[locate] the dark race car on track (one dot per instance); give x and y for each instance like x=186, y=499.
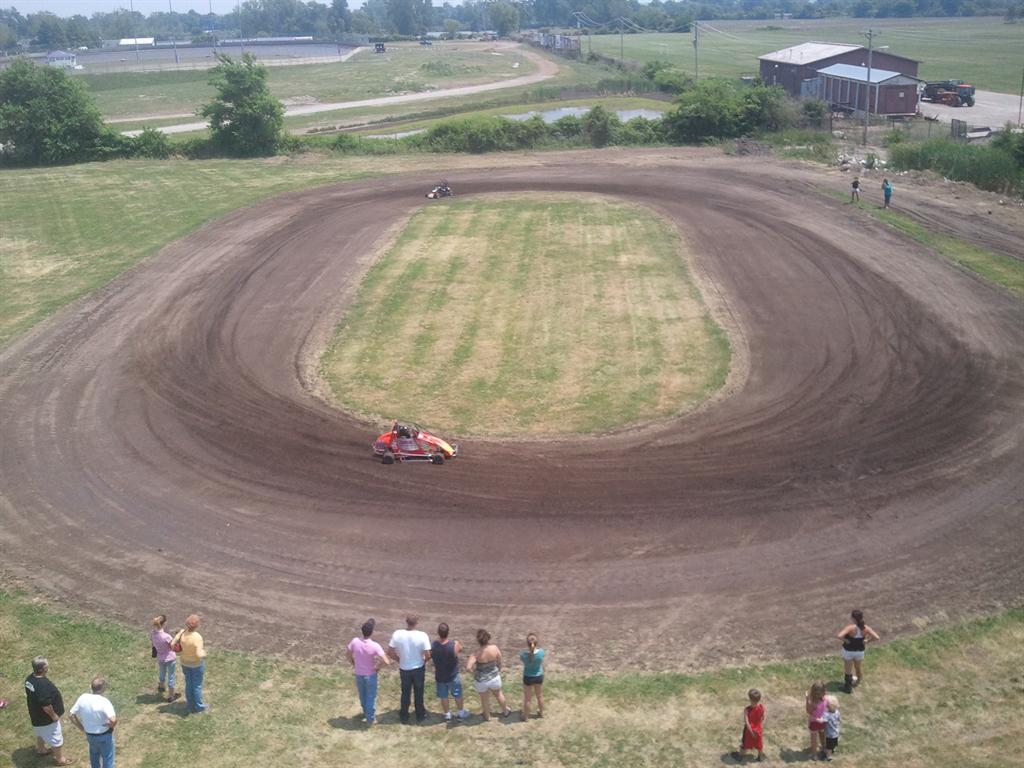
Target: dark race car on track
x=441, y=190
x=410, y=442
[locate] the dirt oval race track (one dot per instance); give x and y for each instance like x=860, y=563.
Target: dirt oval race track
x=164, y=450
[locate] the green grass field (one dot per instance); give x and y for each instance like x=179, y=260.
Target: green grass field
x=984, y=51
x=405, y=68
x=949, y=698
x=72, y=229
x=543, y=315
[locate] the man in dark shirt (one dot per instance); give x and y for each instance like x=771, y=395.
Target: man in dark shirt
x=45, y=708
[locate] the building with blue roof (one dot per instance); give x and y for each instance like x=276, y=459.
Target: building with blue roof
x=849, y=87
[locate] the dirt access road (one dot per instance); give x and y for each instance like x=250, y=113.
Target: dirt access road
x=164, y=447
x=545, y=70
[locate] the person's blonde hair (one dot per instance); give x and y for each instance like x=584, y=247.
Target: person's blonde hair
x=531, y=641
x=159, y=621
x=832, y=703
x=818, y=690
x=192, y=621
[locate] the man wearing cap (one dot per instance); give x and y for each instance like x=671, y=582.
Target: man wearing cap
x=45, y=707
x=410, y=647
x=94, y=716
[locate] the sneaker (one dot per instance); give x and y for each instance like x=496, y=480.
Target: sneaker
x=823, y=755
x=447, y=715
x=463, y=714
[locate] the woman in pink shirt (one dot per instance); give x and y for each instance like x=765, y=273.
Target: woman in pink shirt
x=166, y=659
x=367, y=657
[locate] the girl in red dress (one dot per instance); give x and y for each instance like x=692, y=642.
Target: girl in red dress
x=753, y=727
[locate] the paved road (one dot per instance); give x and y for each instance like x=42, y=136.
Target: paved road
x=990, y=109
x=164, y=438
x=546, y=69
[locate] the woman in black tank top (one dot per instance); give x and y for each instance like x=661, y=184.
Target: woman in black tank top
x=855, y=636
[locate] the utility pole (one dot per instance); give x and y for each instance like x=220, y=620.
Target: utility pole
x=1020, y=108
x=135, y=30
x=870, y=35
x=174, y=35
x=622, y=32
x=696, y=56
x=241, y=37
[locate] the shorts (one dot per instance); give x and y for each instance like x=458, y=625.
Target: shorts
x=491, y=684
x=451, y=689
x=816, y=726
x=533, y=679
x=50, y=734
x=853, y=655
x=831, y=742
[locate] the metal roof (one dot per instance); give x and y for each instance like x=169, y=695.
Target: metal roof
x=860, y=74
x=808, y=53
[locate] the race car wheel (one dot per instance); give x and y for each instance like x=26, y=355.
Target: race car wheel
x=387, y=458
x=437, y=458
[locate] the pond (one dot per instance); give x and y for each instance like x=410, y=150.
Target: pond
x=553, y=115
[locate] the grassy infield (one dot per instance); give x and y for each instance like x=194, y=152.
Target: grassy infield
x=540, y=315
x=947, y=699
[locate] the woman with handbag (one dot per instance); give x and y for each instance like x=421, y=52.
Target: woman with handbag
x=166, y=658
x=192, y=653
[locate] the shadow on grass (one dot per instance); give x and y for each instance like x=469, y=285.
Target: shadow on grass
x=392, y=718
x=795, y=756
x=150, y=698
x=26, y=757
x=178, y=708
x=729, y=758
x=835, y=686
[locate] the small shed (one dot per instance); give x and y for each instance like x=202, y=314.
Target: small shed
x=887, y=93
x=61, y=59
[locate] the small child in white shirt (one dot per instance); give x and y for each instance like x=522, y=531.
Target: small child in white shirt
x=832, y=723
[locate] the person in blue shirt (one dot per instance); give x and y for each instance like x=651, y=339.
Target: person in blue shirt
x=886, y=192
x=533, y=675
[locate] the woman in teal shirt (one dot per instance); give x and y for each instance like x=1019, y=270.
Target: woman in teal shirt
x=533, y=675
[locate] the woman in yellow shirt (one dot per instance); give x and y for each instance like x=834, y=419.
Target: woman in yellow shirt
x=193, y=662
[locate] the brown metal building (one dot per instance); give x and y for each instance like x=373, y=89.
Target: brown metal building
x=889, y=93
x=796, y=68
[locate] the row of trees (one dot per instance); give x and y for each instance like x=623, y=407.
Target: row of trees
x=329, y=18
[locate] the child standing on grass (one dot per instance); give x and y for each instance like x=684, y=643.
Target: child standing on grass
x=855, y=190
x=753, y=727
x=831, y=725
x=533, y=675
x=816, y=707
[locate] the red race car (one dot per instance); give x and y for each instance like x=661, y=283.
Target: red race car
x=409, y=442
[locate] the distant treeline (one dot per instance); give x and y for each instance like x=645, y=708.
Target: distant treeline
x=327, y=20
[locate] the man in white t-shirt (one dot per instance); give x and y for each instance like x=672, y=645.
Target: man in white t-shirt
x=410, y=647
x=94, y=715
